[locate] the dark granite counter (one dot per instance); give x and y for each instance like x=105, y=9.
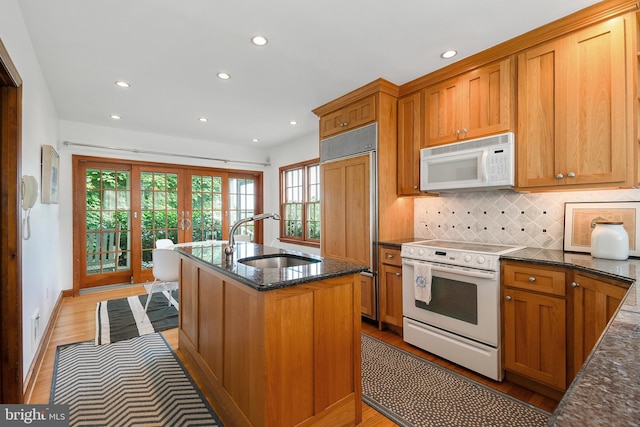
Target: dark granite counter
x=212, y=254
x=606, y=391
x=397, y=243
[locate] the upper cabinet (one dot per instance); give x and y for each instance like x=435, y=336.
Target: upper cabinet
x=356, y=114
x=409, y=144
x=474, y=104
x=574, y=110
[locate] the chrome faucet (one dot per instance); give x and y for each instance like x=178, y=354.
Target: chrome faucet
x=228, y=250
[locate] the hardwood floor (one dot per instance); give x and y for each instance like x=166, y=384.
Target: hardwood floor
x=76, y=322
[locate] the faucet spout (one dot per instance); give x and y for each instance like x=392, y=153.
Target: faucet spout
x=229, y=249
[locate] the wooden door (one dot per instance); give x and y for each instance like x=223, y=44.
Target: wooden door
x=346, y=210
x=594, y=304
x=443, y=112
x=390, y=282
x=487, y=100
x=537, y=138
x=534, y=336
x=409, y=144
x=595, y=111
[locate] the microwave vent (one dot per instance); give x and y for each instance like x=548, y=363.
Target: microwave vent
x=470, y=144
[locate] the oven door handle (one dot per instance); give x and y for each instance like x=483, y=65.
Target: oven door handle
x=459, y=271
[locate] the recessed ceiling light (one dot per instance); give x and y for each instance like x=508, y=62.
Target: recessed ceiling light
x=448, y=54
x=115, y=117
x=255, y=140
x=224, y=76
x=203, y=119
x=293, y=122
x=121, y=83
x=259, y=40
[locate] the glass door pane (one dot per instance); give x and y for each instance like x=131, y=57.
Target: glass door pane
x=160, y=217
x=242, y=205
x=206, y=208
x=107, y=220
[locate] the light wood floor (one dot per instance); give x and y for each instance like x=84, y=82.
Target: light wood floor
x=76, y=322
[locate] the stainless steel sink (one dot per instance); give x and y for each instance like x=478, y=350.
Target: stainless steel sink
x=277, y=261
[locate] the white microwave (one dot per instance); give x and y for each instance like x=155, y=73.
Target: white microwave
x=476, y=164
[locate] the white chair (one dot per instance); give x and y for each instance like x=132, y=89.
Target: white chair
x=166, y=272
x=164, y=243
x=242, y=238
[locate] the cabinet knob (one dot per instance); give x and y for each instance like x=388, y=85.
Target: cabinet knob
x=508, y=298
x=532, y=279
x=389, y=256
x=464, y=130
x=559, y=176
x=571, y=175
x=415, y=187
x=398, y=274
x=574, y=284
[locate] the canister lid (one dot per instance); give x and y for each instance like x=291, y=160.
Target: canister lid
x=610, y=222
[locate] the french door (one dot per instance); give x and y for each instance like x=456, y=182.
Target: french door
x=122, y=208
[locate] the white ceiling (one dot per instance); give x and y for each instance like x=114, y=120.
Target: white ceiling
x=170, y=52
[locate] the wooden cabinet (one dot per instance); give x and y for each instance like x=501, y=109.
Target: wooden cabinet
x=595, y=301
x=284, y=357
x=356, y=114
x=346, y=200
x=409, y=144
x=390, y=286
x=573, y=110
x=474, y=104
x=534, y=323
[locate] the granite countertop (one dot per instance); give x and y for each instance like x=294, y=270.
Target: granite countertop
x=606, y=391
x=397, y=243
x=211, y=253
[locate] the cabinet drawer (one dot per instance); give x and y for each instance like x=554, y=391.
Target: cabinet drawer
x=535, y=278
x=390, y=256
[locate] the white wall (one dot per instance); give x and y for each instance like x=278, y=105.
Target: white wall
x=285, y=154
x=41, y=254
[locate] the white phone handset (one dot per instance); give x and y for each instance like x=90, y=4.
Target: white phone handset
x=29, y=193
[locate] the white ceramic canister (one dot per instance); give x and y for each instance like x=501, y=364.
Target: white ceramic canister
x=610, y=240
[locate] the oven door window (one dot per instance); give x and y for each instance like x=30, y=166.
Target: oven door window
x=453, y=298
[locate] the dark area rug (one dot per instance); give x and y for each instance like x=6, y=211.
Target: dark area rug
x=124, y=318
x=137, y=382
x=415, y=392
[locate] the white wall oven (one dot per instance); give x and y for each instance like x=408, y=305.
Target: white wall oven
x=451, y=301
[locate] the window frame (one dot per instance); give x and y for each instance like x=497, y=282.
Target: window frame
x=305, y=165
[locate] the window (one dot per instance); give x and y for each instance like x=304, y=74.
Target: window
x=300, y=203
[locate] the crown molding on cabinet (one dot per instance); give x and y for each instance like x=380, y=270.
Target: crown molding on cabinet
x=377, y=86
x=583, y=18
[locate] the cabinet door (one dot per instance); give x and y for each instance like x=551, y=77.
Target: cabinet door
x=367, y=296
x=442, y=104
x=331, y=124
x=390, y=282
x=188, y=296
x=346, y=210
x=352, y=116
x=594, y=304
x=595, y=106
x=487, y=100
x=534, y=336
x=537, y=138
x=409, y=144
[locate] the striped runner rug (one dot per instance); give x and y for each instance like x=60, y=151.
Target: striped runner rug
x=137, y=382
x=412, y=391
x=124, y=318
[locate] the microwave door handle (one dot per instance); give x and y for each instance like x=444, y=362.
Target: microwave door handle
x=483, y=166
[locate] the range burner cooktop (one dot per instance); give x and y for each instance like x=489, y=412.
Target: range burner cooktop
x=485, y=256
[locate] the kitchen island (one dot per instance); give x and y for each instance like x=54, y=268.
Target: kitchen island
x=606, y=391
x=275, y=346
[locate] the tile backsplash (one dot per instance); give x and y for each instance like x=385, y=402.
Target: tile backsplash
x=529, y=219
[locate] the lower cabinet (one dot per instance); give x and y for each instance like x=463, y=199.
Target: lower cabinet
x=368, y=296
x=552, y=318
x=390, y=287
x=595, y=301
x=534, y=325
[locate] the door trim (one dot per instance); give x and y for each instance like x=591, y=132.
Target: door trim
x=11, y=371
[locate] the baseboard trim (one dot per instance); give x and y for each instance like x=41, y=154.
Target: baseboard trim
x=36, y=364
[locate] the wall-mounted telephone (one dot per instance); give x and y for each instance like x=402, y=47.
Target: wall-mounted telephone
x=29, y=193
